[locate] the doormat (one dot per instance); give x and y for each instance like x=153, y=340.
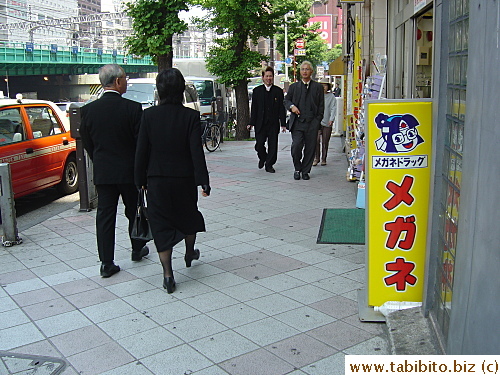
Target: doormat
x=14, y=363
x=342, y=225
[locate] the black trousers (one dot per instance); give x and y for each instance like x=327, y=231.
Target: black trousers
x=107, y=206
x=270, y=134
x=304, y=137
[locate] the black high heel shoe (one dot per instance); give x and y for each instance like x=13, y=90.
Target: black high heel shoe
x=189, y=258
x=169, y=284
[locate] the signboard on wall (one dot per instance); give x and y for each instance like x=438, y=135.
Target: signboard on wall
x=325, y=28
x=398, y=164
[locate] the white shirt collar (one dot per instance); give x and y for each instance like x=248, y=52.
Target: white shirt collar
x=268, y=88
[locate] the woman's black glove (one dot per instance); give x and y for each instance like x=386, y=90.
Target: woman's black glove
x=206, y=189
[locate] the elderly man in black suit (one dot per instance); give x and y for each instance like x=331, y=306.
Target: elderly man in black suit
x=267, y=114
x=109, y=130
x=306, y=101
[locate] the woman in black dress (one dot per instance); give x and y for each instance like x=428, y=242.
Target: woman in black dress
x=170, y=163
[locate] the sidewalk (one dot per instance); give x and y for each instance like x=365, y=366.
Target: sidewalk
x=264, y=299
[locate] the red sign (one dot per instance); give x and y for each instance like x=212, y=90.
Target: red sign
x=325, y=28
x=300, y=43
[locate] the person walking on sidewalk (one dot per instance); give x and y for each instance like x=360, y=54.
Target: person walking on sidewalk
x=267, y=114
x=325, y=132
x=109, y=130
x=306, y=101
x=170, y=163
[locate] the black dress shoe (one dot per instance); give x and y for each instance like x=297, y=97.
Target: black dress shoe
x=296, y=175
x=270, y=169
x=138, y=255
x=169, y=284
x=261, y=164
x=108, y=270
x=305, y=176
x=189, y=258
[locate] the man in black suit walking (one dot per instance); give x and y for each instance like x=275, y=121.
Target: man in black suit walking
x=306, y=100
x=109, y=130
x=267, y=114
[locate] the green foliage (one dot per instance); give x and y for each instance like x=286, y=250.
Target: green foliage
x=333, y=53
x=154, y=23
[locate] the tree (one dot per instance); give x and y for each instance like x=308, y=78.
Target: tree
x=231, y=60
x=154, y=23
x=314, y=45
x=332, y=54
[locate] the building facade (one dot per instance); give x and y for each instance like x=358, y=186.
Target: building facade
x=448, y=50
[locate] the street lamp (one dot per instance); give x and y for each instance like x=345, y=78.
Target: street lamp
x=290, y=14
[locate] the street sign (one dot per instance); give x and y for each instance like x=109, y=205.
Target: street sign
x=300, y=43
x=299, y=52
x=288, y=60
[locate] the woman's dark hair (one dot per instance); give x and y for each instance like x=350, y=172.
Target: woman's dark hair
x=170, y=84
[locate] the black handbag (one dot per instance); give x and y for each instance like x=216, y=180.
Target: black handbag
x=141, y=229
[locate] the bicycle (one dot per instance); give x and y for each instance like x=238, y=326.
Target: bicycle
x=212, y=134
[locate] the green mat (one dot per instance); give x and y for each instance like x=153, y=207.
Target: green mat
x=342, y=225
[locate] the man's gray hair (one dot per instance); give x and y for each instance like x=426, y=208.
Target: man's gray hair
x=109, y=73
x=307, y=63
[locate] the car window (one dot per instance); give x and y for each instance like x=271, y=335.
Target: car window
x=143, y=93
x=190, y=94
x=43, y=121
x=11, y=126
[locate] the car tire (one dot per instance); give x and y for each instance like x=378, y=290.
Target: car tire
x=69, y=182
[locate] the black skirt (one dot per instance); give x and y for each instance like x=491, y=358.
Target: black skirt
x=173, y=210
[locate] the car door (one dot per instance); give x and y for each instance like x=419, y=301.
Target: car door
x=16, y=149
x=50, y=143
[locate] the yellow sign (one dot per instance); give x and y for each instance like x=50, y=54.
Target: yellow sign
x=398, y=164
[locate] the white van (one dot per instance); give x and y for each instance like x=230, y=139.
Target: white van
x=143, y=90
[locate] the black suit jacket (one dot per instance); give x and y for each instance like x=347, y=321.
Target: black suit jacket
x=278, y=114
x=109, y=130
x=318, y=101
x=170, y=145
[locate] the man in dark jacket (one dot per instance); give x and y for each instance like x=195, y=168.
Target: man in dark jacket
x=109, y=130
x=267, y=114
x=306, y=102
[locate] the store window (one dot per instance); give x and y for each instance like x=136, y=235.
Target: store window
x=449, y=202
x=423, y=54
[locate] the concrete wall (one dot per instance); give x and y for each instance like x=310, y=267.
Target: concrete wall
x=474, y=324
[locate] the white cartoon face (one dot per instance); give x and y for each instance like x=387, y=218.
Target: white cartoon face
x=406, y=139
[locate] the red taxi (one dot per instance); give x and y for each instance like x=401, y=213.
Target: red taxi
x=35, y=141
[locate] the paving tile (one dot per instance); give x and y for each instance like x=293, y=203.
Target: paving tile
x=223, y=346
x=267, y=331
x=301, y=350
x=309, y=274
x=334, y=364
x=338, y=284
x=336, y=306
x=120, y=277
x=15, y=276
x=12, y=318
x=240, y=249
x=190, y=288
x=195, y=327
x=374, y=346
x=128, y=288
x=221, y=280
x=127, y=325
x=307, y=294
x=74, y=287
x=375, y=328
x=63, y=277
x=91, y=297
x=305, y=318
x=255, y=272
x=20, y=335
x=274, y=304
x=62, y=323
x=7, y=303
x=149, y=298
x=246, y=292
x=24, y=286
x=236, y=315
x=171, y=312
x=340, y=335
x=280, y=282
x=80, y=340
x=100, y=359
x=44, y=348
x=213, y=370
x=232, y=263
x=259, y=362
x=149, y=342
x=48, y=308
x=176, y=361
x=133, y=368
x=210, y=301
x=107, y=310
